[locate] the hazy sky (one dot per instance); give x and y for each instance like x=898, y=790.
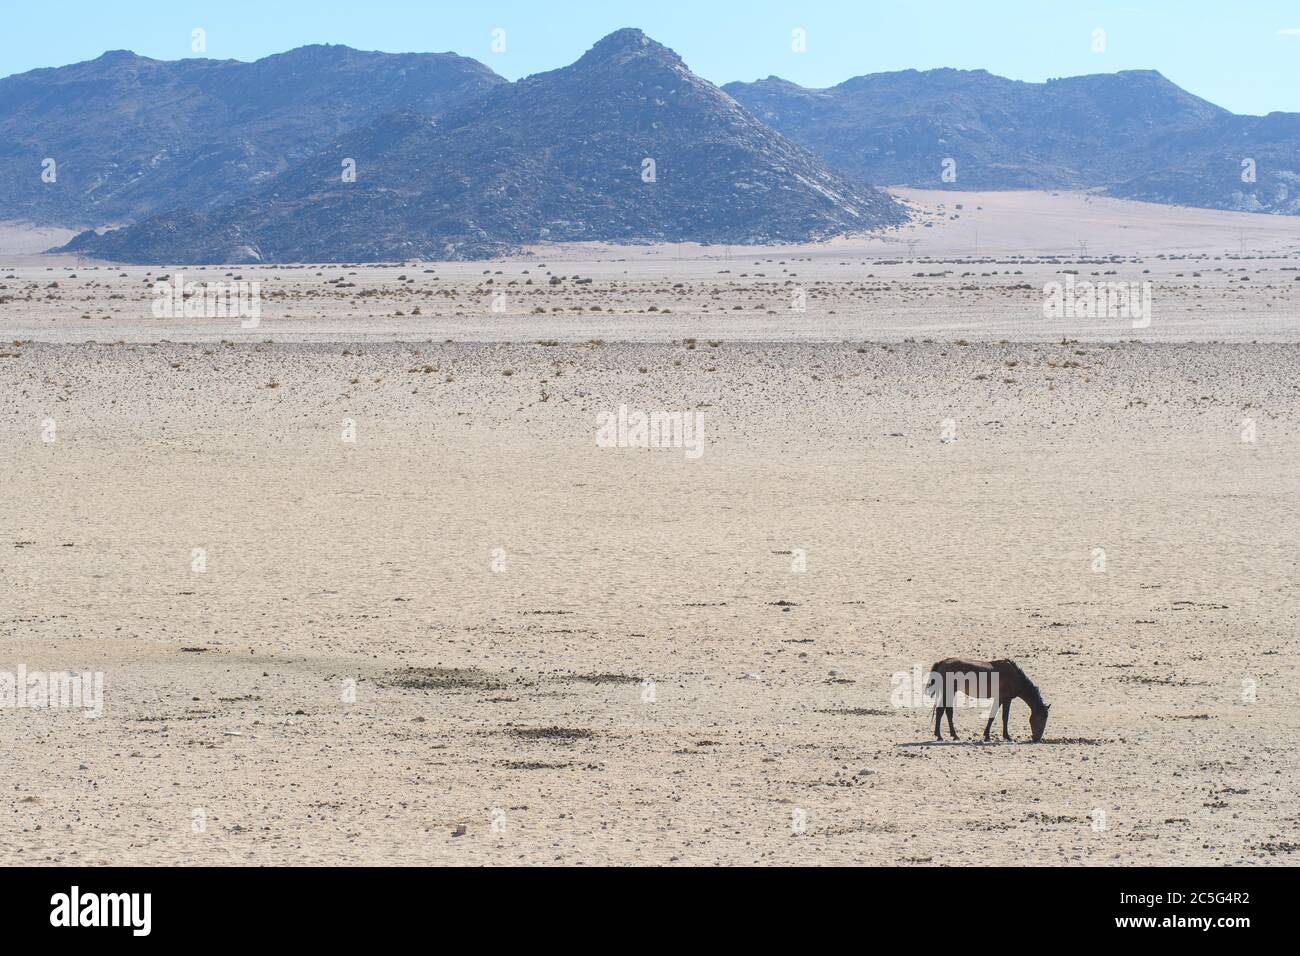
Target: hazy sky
x=1243, y=55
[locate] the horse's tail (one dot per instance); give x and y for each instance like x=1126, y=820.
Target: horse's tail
x=934, y=690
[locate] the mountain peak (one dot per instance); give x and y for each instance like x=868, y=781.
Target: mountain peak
x=118, y=59
x=1148, y=74
x=625, y=44
x=324, y=51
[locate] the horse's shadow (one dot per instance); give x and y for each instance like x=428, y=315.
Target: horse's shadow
x=958, y=743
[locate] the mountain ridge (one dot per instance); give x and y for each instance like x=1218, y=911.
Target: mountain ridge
x=623, y=145
x=1133, y=134
x=131, y=136
x=230, y=149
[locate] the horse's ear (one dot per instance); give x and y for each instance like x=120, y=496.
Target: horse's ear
x=1047, y=707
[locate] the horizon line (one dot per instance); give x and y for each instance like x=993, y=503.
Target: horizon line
x=719, y=85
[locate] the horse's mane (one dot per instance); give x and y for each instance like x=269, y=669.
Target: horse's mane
x=1032, y=694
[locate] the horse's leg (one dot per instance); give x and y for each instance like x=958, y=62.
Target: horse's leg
x=992, y=710
x=951, y=729
x=993, y=703
x=939, y=707
x=1006, y=712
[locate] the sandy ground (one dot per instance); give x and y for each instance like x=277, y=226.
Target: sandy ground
x=389, y=601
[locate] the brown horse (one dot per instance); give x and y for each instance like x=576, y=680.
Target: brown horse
x=1001, y=680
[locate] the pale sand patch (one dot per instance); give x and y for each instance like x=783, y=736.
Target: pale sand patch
x=1029, y=222
x=950, y=223
x=28, y=244
x=329, y=561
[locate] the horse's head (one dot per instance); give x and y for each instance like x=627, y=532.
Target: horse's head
x=1038, y=721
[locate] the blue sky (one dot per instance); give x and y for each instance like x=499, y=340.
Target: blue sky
x=1238, y=55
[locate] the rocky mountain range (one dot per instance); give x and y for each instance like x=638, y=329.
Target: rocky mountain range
x=131, y=136
x=624, y=145
x=1132, y=134
x=327, y=153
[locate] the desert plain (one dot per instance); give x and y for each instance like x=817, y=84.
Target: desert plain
x=363, y=586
